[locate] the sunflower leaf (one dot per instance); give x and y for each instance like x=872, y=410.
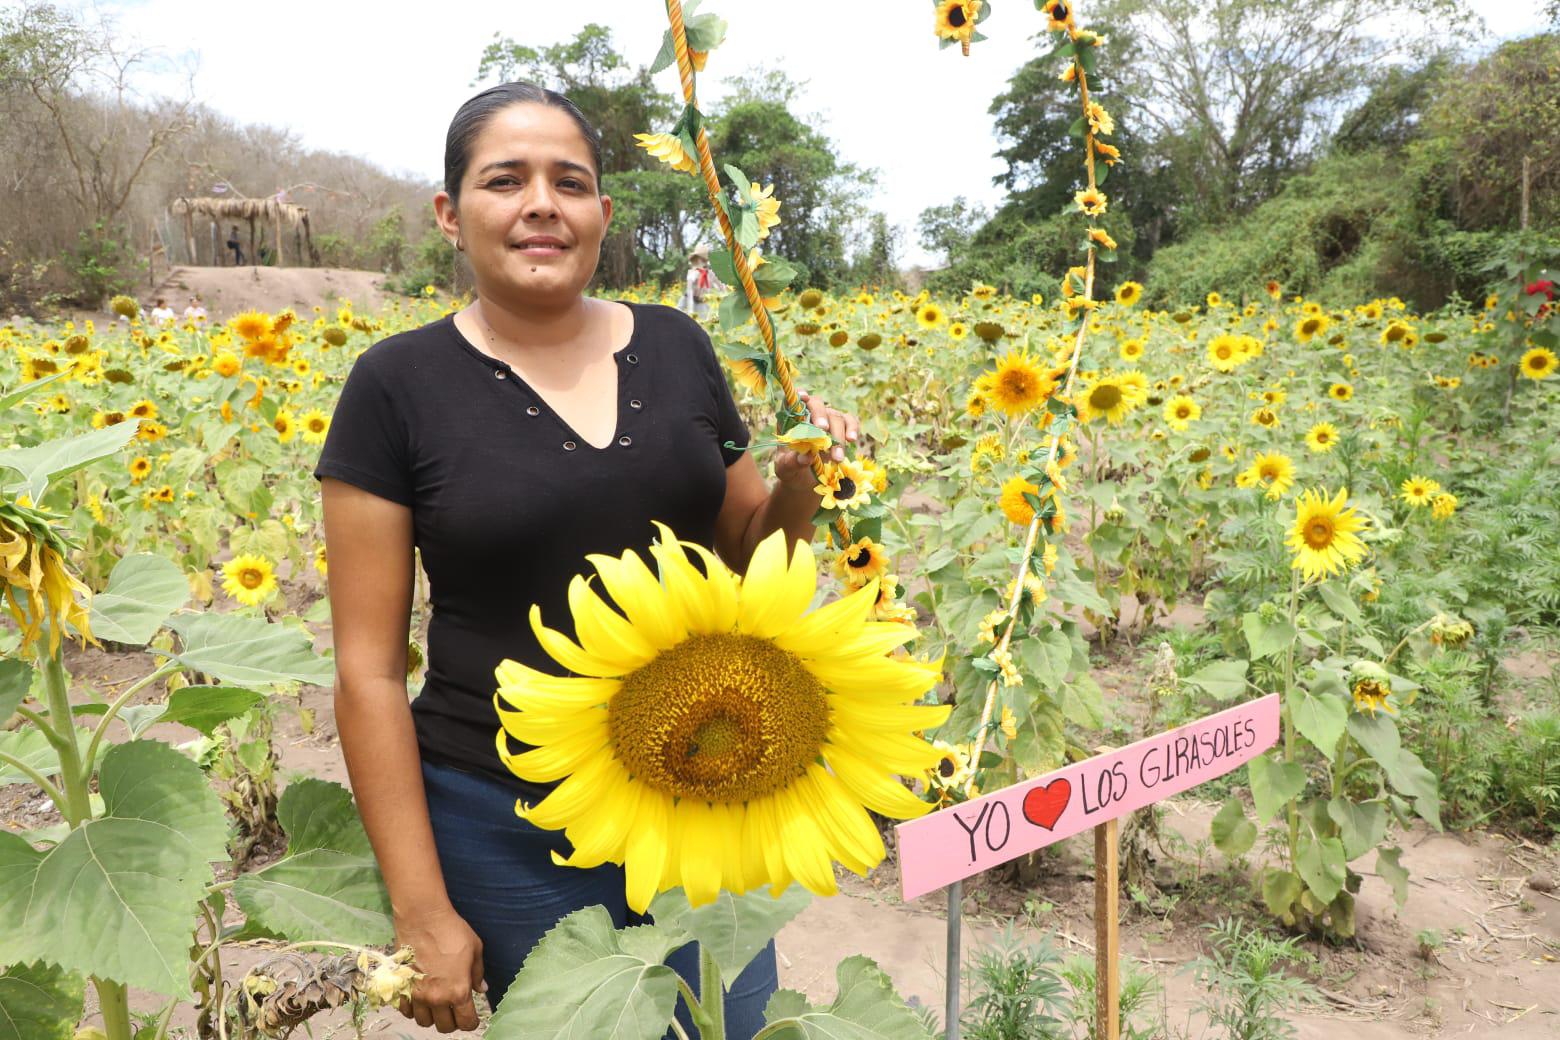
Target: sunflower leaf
x=865, y=1008
x=1273, y=784
x=137, y=873
x=733, y=928
x=207, y=707
x=248, y=651
x=38, y=1002
x=142, y=591
x=1232, y=832
x=586, y=979
x=55, y=458
x=666, y=55
x=15, y=680
x=328, y=882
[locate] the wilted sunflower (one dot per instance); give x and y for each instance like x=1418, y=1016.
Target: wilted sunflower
x=1181, y=411
x=1442, y=506
x=39, y=589
x=249, y=578
x=1323, y=537
x=1538, y=363
x=1322, y=437
x=1417, y=491
x=1371, y=688
x=1265, y=417
x=714, y=734
x=1019, y=383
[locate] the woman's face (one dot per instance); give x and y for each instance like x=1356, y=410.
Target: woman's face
x=529, y=214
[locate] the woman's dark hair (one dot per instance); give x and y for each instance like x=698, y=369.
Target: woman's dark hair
x=476, y=112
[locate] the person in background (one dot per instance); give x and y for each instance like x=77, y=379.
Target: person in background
x=194, y=312
x=162, y=314
x=232, y=243
x=700, y=281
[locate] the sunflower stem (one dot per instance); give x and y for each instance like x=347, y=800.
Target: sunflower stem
x=712, y=996
x=112, y=713
x=78, y=803
x=115, y=1004
x=1289, y=724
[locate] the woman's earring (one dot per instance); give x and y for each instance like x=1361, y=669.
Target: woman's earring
x=460, y=244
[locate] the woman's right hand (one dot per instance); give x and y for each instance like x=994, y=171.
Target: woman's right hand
x=449, y=954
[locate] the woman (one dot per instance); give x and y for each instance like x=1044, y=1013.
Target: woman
x=507, y=441
x=699, y=282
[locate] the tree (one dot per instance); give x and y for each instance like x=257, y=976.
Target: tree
x=63, y=63
x=877, y=264
x=820, y=194
x=1241, y=93
x=946, y=229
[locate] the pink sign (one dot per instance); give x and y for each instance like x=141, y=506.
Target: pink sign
x=963, y=840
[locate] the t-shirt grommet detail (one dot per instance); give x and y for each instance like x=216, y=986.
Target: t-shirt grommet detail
x=625, y=440
x=498, y=373
x=636, y=404
x=533, y=410
x=632, y=359
x=569, y=445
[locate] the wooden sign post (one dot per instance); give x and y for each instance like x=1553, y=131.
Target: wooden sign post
x=941, y=849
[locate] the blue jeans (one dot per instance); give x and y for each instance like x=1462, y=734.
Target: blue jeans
x=502, y=880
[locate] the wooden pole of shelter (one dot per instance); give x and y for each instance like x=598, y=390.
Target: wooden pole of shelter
x=298, y=244
x=189, y=234
x=277, y=220
x=254, y=259
x=217, y=258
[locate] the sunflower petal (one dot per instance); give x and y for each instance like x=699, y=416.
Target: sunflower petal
x=895, y=752
x=777, y=591
x=567, y=652
x=698, y=850
x=878, y=678
x=598, y=837
x=649, y=850
x=856, y=840
x=637, y=593
x=874, y=788
x=560, y=757
x=604, y=633
x=538, y=728
x=818, y=633
x=806, y=852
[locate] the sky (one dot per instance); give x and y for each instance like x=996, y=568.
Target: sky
x=381, y=81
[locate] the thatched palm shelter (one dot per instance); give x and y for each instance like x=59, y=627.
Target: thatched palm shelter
x=220, y=210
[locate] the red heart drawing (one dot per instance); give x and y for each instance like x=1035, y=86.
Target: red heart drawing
x=1043, y=806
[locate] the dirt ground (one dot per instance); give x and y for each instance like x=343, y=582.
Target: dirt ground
x=225, y=291
x=1496, y=974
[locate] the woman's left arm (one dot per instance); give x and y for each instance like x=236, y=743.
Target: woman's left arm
x=752, y=510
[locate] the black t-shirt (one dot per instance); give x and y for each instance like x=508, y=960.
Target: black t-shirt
x=507, y=500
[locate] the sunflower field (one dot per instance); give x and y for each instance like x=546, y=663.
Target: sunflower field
x=1343, y=502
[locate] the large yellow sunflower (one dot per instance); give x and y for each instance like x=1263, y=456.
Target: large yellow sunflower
x=252, y=325
x=715, y=735
x=1019, y=383
x=930, y=316
x=1323, y=537
x=1225, y=353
